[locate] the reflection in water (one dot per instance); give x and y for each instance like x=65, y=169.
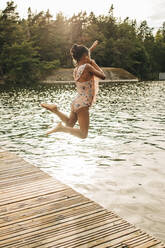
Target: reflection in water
x=120, y=164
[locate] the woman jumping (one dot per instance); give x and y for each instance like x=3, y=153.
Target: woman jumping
x=86, y=75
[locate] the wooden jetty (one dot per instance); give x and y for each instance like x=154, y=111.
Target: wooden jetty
x=39, y=211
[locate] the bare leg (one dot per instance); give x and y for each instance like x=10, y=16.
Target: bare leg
x=69, y=121
x=50, y=107
x=82, y=132
x=72, y=119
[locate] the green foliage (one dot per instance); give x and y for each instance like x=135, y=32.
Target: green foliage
x=30, y=49
x=22, y=63
x=26, y=54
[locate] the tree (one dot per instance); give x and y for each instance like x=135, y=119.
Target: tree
x=32, y=48
x=22, y=63
x=159, y=49
x=24, y=55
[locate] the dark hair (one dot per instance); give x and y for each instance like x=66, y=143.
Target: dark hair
x=77, y=51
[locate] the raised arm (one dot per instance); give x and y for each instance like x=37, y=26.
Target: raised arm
x=95, y=43
x=94, y=69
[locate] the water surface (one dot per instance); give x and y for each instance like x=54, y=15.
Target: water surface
x=120, y=165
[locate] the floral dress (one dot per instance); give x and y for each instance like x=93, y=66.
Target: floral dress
x=87, y=91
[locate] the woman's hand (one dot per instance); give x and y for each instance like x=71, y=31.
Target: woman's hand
x=92, y=62
x=88, y=60
x=95, y=43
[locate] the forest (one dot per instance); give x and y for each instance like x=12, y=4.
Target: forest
x=31, y=48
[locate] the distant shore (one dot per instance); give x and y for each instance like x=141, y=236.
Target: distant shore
x=65, y=75
x=101, y=81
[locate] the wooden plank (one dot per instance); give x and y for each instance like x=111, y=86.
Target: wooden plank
x=22, y=180
x=49, y=229
x=54, y=219
x=149, y=243
x=84, y=238
x=15, y=166
x=122, y=241
x=9, y=160
x=42, y=210
x=39, y=211
x=31, y=195
x=37, y=201
x=131, y=240
x=17, y=172
x=71, y=237
x=63, y=217
x=30, y=187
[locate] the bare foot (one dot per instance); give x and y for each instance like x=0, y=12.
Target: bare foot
x=58, y=128
x=50, y=107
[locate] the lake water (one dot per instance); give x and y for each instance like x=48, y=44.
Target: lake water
x=121, y=165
